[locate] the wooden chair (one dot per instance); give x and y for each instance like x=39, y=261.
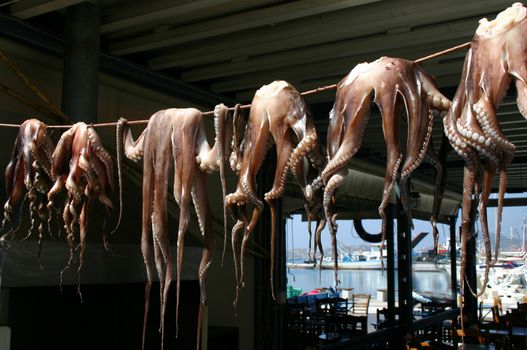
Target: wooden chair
x=360, y=304
x=359, y=309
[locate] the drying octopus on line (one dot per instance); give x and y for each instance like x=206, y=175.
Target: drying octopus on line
x=393, y=84
x=82, y=166
x=497, y=53
x=28, y=174
x=278, y=116
x=176, y=136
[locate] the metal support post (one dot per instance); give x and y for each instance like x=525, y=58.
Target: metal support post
x=470, y=301
x=390, y=262
x=404, y=269
x=453, y=261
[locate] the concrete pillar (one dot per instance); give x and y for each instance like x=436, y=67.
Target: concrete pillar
x=80, y=85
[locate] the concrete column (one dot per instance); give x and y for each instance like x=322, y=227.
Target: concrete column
x=80, y=85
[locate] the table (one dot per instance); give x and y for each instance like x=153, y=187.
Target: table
x=515, y=331
x=467, y=346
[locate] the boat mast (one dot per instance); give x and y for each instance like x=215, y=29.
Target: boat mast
x=524, y=237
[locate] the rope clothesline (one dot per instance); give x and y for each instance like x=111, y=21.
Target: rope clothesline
x=246, y=106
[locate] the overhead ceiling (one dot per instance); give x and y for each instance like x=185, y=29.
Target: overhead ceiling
x=232, y=47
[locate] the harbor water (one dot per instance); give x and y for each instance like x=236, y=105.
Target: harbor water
x=366, y=281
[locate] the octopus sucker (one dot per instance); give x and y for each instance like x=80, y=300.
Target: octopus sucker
x=277, y=112
x=176, y=136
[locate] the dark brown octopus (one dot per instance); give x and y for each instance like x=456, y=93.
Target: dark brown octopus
x=82, y=166
x=393, y=83
x=176, y=136
x=497, y=53
x=29, y=171
x=278, y=116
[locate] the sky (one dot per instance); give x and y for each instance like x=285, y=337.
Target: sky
x=298, y=237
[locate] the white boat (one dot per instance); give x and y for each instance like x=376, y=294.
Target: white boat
x=358, y=261
x=302, y=265
x=372, y=261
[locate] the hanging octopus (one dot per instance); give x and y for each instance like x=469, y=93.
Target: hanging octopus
x=497, y=53
x=178, y=136
x=278, y=116
x=395, y=83
x=29, y=170
x=82, y=166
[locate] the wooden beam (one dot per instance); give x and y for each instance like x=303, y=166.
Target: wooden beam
x=131, y=15
x=460, y=31
x=331, y=27
x=31, y=8
x=250, y=83
x=308, y=76
x=509, y=202
x=245, y=94
x=233, y=23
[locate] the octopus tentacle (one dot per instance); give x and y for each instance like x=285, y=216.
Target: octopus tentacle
x=248, y=190
x=334, y=182
x=69, y=217
x=285, y=147
x=390, y=112
x=146, y=249
x=521, y=101
x=186, y=169
x=249, y=228
x=321, y=224
x=470, y=171
x=119, y=135
x=199, y=197
x=223, y=134
x=161, y=240
x=83, y=225
x=439, y=163
x=133, y=150
x=304, y=148
x=506, y=159
x=357, y=115
x=62, y=154
x=488, y=175
x=434, y=98
x=235, y=159
x=234, y=241
x=486, y=117
x=420, y=127
x=312, y=214
x=95, y=145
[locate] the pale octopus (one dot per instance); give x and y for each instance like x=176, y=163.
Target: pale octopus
x=279, y=116
x=392, y=84
x=176, y=136
x=497, y=53
x=29, y=170
x=82, y=166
